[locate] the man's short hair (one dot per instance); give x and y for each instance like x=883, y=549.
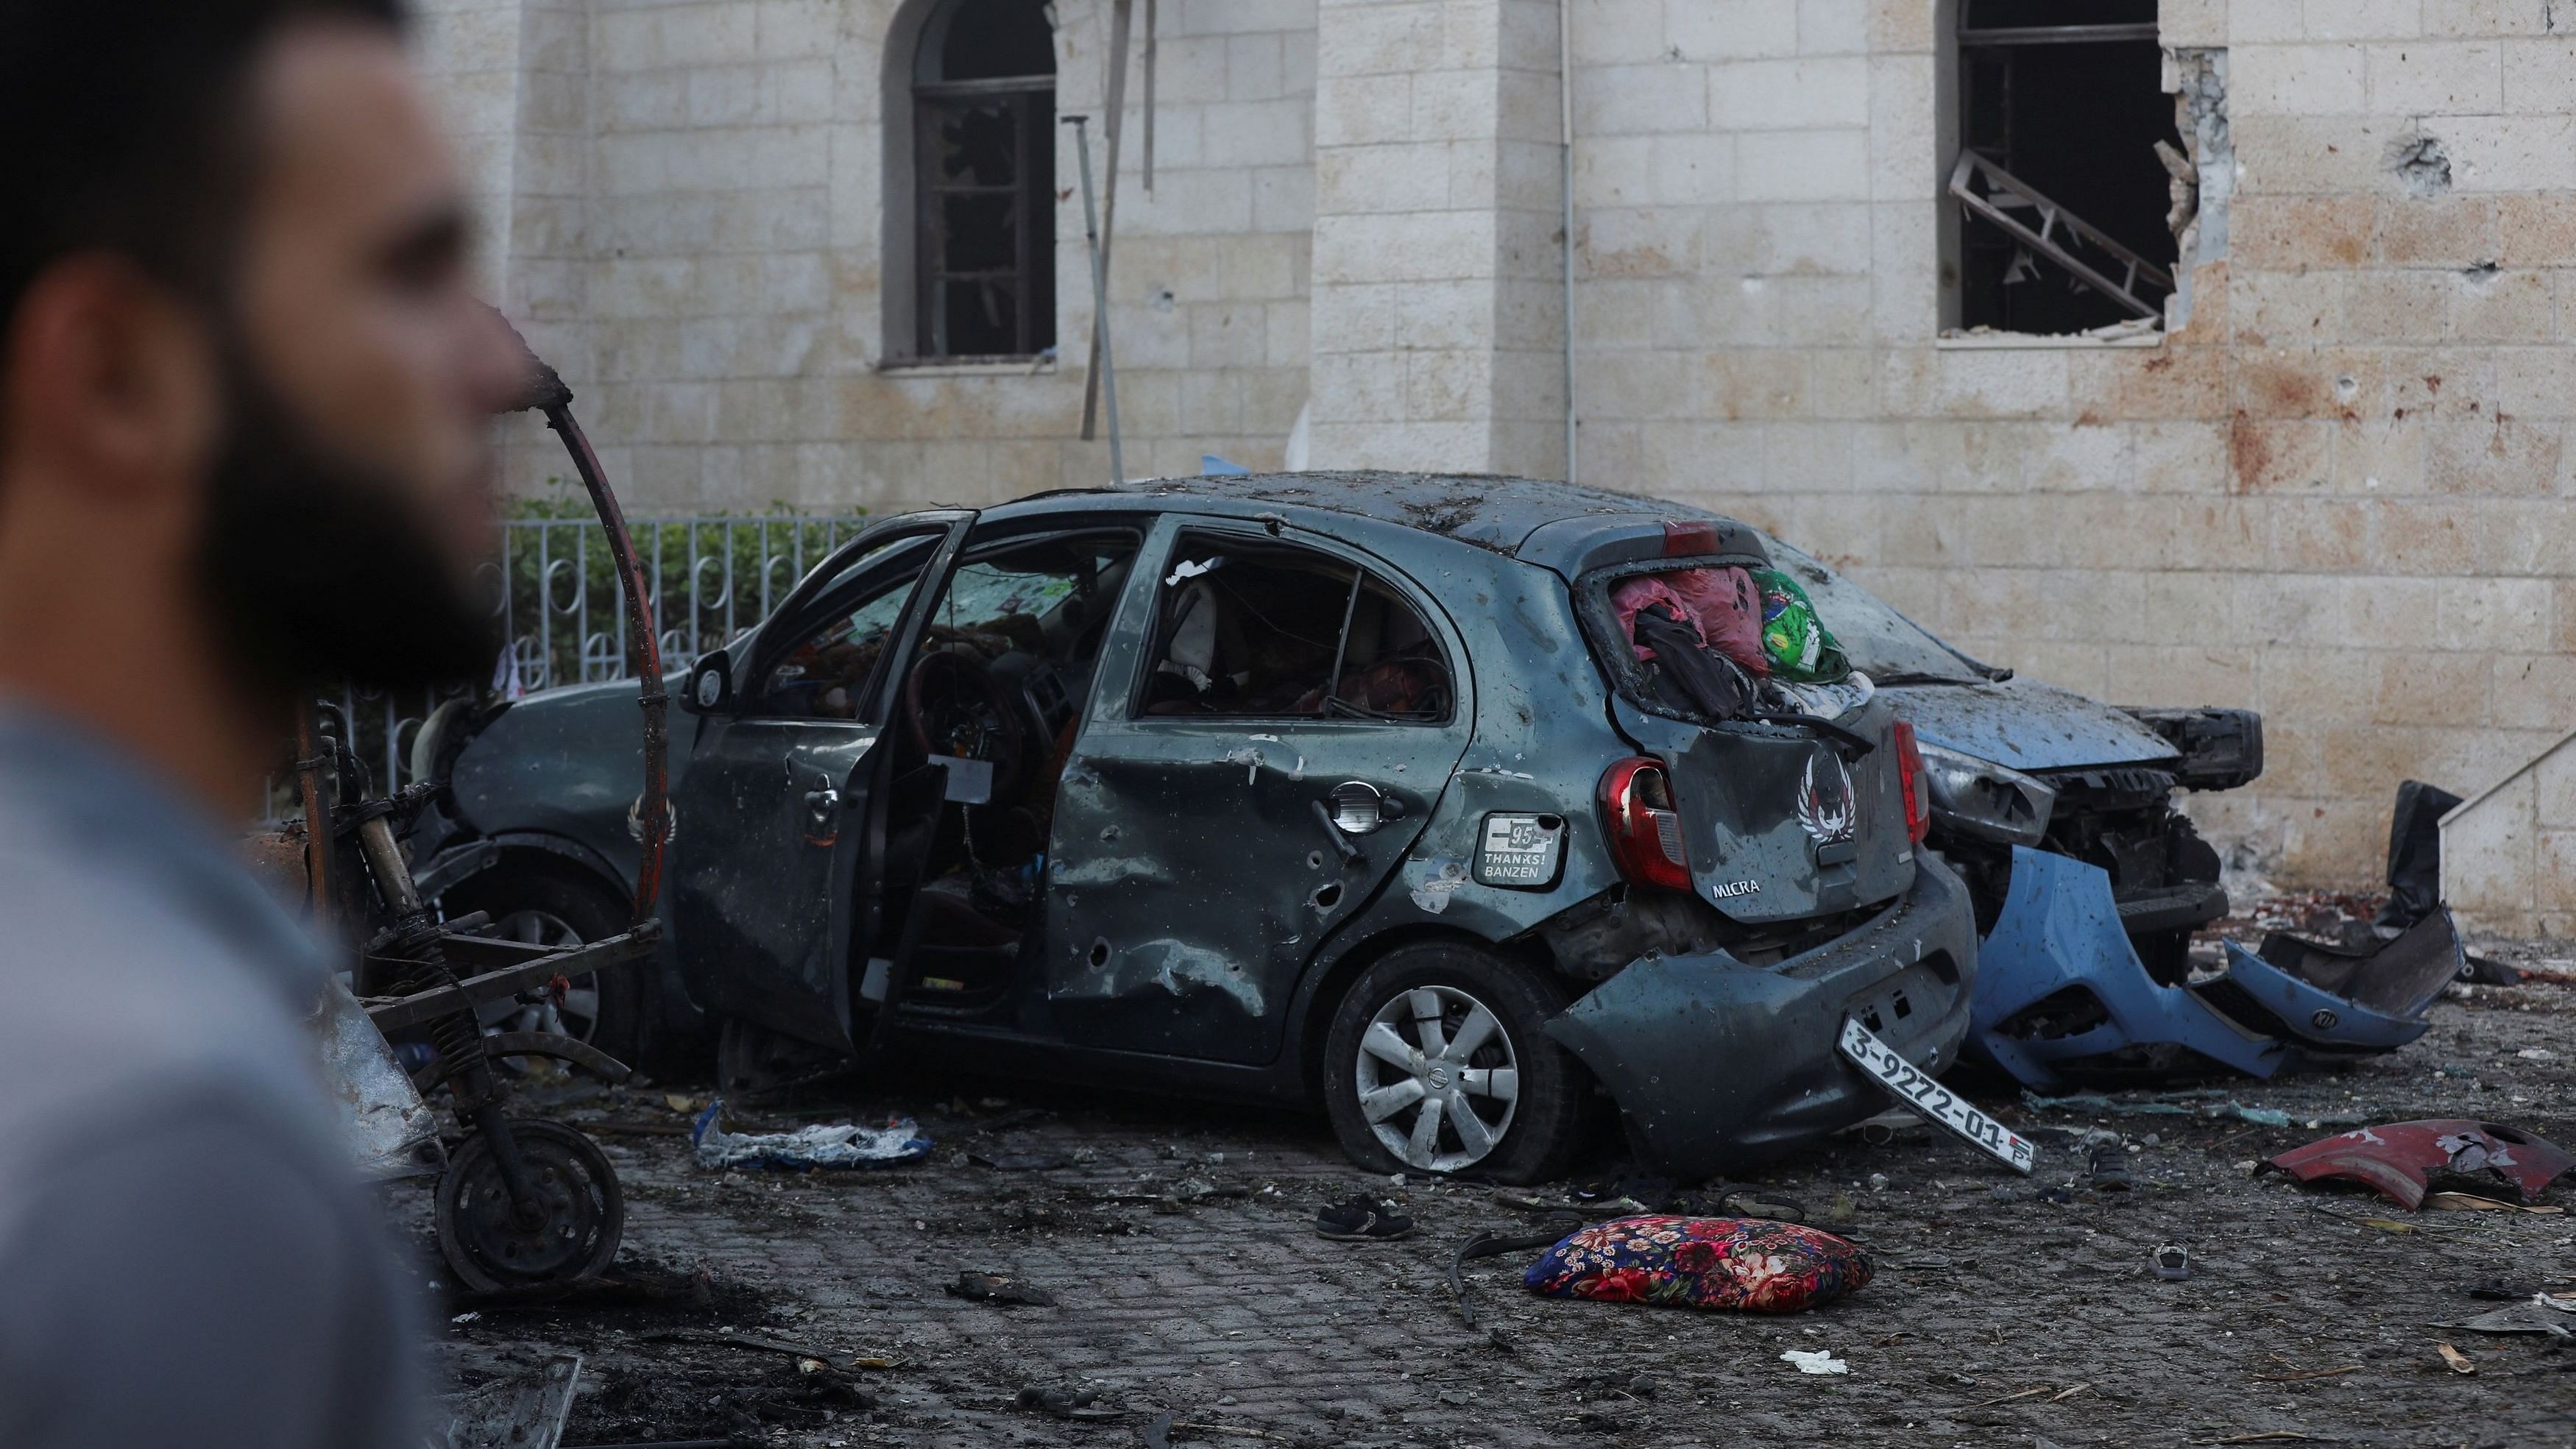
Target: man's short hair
x=123, y=128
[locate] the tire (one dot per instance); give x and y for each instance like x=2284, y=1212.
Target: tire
x=1534, y=1132
x=585, y=1211
x=611, y=1010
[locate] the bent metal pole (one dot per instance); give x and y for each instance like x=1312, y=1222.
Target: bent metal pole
x=547, y=395
x=1099, y=298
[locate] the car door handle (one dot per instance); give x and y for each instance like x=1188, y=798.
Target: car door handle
x=823, y=801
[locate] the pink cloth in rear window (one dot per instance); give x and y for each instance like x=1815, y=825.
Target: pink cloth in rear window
x=1728, y=610
x=1632, y=596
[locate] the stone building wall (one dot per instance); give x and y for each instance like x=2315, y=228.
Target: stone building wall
x=1439, y=309
x=686, y=212
x=2337, y=495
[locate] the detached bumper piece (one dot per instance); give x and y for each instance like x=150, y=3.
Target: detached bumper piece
x=2407, y=1160
x=2221, y=748
x=2336, y=1000
x=1718, y=1065
x=2062, y=996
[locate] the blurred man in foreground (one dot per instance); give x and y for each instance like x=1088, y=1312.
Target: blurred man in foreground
x=244, y=401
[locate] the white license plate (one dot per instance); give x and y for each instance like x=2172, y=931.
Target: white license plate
x=1928, y=1098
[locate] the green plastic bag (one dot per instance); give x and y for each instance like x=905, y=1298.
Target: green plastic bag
x=1801, y=648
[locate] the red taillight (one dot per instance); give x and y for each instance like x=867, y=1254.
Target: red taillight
x=1645, y=830
x=1686, y=538
x=1916, y=789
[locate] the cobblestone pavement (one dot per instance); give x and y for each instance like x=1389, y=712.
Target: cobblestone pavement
x=1178, y=1243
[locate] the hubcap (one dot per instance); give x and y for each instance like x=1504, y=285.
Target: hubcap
x=578, y=1016
x=1438, y=1078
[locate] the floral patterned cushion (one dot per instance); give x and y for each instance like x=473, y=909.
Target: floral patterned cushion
x=1742, y=1263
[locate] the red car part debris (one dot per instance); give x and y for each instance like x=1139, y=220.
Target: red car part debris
x=2402, y=1159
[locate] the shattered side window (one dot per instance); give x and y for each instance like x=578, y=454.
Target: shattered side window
x=825, y=674
x=1046, y=599
x=1880, y=642
x=987, y=595
x=1246, y=630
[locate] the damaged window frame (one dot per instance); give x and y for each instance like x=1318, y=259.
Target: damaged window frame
x=1634, y=679
x=1197, y=539
x=1995, y=220
x=891, y=567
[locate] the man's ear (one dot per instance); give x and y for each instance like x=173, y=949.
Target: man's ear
x=112, y=383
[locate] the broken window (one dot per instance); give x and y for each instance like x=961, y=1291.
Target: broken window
x=1034, y=614
x=984, y=180
x=1275, y=631
x=829, y=671
x=2065, y=192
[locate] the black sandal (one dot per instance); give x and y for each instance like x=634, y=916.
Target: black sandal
x=1360, y=1219
x=1757, y=1203
x=1488, y=1245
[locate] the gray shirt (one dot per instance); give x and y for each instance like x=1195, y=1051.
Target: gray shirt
x=186, y=1255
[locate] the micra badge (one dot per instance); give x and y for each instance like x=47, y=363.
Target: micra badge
x=1736, y=888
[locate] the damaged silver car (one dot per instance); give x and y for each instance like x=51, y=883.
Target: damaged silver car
x=1342, y=787
x=2014, y=762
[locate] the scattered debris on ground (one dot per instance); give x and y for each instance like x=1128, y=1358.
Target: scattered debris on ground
x=835, y=1144
x=1191, y=1292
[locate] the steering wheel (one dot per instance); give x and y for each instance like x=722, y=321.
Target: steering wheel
x=955, y=707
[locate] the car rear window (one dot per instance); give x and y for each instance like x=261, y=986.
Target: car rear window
x=1881, y=643
x=1695, y=638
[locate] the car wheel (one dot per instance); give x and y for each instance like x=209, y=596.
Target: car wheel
x=1435, y=1062
x=608, y=1010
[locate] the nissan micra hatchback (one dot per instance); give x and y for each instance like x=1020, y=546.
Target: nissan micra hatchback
x=1349, y=787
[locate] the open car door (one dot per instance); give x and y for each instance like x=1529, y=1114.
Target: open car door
x=773, y=807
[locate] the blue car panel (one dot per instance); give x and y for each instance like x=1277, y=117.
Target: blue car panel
x=2313, y=1015
x=2060, y=936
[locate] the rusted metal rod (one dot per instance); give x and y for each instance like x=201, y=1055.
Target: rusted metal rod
x=643, y=652
x=548, y=396
x=1107, y=367
x=317, y=816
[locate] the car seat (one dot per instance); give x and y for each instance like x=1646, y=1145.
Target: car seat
x=1205, y=654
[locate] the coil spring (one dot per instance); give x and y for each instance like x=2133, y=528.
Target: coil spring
x=457, y=1035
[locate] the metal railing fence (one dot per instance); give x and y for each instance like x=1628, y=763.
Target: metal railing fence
x=711, y=576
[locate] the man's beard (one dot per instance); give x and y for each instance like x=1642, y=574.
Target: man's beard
x=319, y=570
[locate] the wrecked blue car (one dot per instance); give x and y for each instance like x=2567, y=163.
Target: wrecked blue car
x=2060, y=814
x=1342, y=788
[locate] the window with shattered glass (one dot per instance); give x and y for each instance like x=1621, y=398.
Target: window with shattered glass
x=2063, y=103
x=984, y=181
x=1281, y=632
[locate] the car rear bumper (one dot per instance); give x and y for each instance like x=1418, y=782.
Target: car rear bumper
x=1718, y=1065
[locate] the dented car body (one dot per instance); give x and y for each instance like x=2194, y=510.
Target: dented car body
x=1312, y=785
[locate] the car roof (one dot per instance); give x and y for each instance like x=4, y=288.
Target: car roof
x=1489, y=511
